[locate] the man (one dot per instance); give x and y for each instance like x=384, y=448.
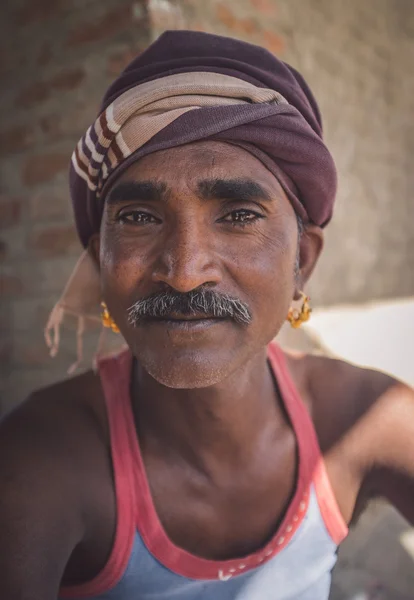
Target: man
x=202, y=462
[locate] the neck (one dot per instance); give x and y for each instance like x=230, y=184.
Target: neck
x=206, y=424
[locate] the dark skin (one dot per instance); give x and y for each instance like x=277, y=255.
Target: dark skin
x=205, y=442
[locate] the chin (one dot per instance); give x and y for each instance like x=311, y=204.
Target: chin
x=186, y=371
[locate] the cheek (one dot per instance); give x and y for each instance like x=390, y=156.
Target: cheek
x=268, y=274
x=268, y=267
x=122, y=267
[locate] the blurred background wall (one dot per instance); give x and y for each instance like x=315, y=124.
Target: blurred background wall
x=57, y=58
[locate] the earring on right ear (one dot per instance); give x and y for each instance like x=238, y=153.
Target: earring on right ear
x=107, y=320
x=298, y=316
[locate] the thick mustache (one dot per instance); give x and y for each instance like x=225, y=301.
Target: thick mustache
x=197, y=302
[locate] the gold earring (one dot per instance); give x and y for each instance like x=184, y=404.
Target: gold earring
x=107, y=320
x=296, y=317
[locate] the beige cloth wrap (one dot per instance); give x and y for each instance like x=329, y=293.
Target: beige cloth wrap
x=133, y=119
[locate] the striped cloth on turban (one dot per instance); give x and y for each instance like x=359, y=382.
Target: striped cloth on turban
x=191, y=86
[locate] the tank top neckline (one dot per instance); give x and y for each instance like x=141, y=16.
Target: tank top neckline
x=135, y=507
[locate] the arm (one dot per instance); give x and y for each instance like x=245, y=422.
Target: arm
x=365, y=425
x=392, y=445
x=40, y=523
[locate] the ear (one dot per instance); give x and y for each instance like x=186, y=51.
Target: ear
x=310, y=248
x=94, y=247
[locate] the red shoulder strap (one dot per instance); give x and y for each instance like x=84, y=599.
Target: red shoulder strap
x=309, y=451
x=115, y=373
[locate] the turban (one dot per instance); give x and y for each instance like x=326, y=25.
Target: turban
x=186, y=87
x=190, y=86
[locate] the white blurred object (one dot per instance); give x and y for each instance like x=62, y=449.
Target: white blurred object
x=380, y=335
x=407, y=541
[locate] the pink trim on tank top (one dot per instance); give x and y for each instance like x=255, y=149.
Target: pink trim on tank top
x=328, y=506
x=135, y=508
x=115, y=379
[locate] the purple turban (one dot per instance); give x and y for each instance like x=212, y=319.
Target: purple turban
x=191, y=86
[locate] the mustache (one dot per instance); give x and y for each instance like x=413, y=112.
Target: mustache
x=200, y=302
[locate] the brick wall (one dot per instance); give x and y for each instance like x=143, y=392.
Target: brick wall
x=58, y=56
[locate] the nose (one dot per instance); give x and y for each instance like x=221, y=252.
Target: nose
x=186, y=260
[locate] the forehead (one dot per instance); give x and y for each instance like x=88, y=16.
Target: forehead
x=186, y=165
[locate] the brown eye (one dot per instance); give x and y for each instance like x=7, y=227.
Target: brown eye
x=242, y=217
x=138, y=217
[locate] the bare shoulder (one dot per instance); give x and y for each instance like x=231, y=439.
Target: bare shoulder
x=46, y=444
x=343, y=394
x=364, y=418
x=52, y=463
x=49, y=437
x=57, y=434
x=55, y=417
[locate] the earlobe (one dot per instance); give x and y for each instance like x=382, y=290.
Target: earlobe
x=310, y=248
x=94, y=247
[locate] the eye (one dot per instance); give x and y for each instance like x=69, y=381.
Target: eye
x=137, y=217
x=242, y=217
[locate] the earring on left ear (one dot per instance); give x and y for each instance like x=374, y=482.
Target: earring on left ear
x=296, y=317
x=107, y=320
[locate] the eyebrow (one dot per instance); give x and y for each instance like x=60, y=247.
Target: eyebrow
x=232, y=189
x=146, y=191
x=208, y=189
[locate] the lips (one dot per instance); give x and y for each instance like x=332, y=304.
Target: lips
x=183, y=322
x=181, y=317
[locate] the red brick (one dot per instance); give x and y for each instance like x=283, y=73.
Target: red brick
x=226, y=16
x=67, y=80
x=243, y=25
x=119, y=60
x=44, y=167
x=247, y=26
x=29, y=311
x=31, y=355
x=37, y=10
x=33, y=94
x=45, y=55
x=68, y=124
x=266, y=7
x=50, y=206
x=10, y=285
x=10, y=212
x=199, y=26
x=5, y=60
x=51, y=275
x=3, y=251
x=108, y=25
x=40, y=91
x=16, y=139
x=273, y=42
x=6, y=350
x=51, y=126
x=54, y=240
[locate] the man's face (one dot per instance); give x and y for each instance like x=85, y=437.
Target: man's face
x=205, y=216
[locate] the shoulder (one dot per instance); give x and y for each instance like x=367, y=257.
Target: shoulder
x=368, y=415
x=56, y=416
x=48, y=446
x=353, y=395
x=52, y=465
x=339, y=393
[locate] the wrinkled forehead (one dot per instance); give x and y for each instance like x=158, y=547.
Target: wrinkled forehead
x=198, y=166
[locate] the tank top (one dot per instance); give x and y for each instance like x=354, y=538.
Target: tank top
x=145, y=564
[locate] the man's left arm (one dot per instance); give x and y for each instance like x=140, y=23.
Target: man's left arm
x=391, y=475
